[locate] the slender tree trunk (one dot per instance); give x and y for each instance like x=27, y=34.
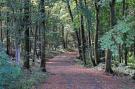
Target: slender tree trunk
x=17, y=53
x=17, y=39
x=96, y=33
x=76, y=30
x=108, y=55
x=69, y=9
x=82, y=33
x=83, y=39
x=63, y=39
x=1, y=31
x=35, y=43
x=125, y=35
x=27, y=28
x=7, y=35
x=120, y=53
x=126, y=56
x=89, y=36
x=124, y=7
x=66, y=39
x=134, y=56
x=43, y=28
x=79, y=44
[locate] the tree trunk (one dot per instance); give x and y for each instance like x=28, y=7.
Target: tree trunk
x=134, y=47
x=27, y=27
x=17, y=53
x=43, y=39
x=108, y=58
x=77, y=31
x=79, y=44
x=82, y=33
x=96, y=33
x=120, y=54
x=35, y=43
x=125, y=35
x=108, y=55
x=89, y=36
x=124, y=7
x=126, y=56
x=63, y=39
x=1, y=31
x=8, y=36
x=83, y=39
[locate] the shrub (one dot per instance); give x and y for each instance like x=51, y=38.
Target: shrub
x=8, y=70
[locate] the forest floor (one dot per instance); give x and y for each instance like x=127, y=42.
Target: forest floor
x=66, y=74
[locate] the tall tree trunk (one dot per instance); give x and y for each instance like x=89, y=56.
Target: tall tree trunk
x=83, y=39
x=35, y=43
x=27, y=28
x=43, y=28
x=63, y=39
x=17, y=53
x=17, y=39
x=96, y=33
x=108, y=55
x=125, y=35
x=7, y=35
x=120, y=53
x=89, y=36
x=82, y=33
x=134, y=47
x=76, y=30
x=79, y=43
x=120, y=46
x=1, y=31
x=124, y=7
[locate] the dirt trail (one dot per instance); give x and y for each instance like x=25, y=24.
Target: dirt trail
x=65, y=74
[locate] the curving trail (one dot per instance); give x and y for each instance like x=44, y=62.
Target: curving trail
x=65, y=74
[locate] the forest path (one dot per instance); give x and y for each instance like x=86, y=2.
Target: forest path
x=65, y=74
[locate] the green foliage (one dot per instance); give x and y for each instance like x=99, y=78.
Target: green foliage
x=9, y=71
x=131, y=61
x=122, y=33
x=29, y=80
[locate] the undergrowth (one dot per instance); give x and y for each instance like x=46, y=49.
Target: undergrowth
x=29, y=80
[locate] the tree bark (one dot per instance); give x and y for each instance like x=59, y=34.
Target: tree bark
x=1, y=31
x=125, y=35
x=77, y=31
x=108, y=58
x=83, y=39
x=63, y=39
x=43, y=39
x=124, y=7
x=26, y=20
x=96, y=33
x=108, y=55
x=35, y=43
x=82, y=33
x=134, y=55
x=7, y=35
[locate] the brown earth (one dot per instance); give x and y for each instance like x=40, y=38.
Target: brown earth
x=66, y=74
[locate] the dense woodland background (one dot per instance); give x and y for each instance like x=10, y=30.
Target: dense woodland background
x=103, y=32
